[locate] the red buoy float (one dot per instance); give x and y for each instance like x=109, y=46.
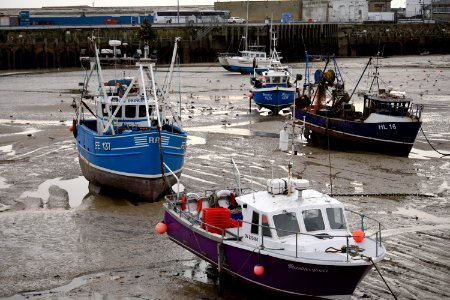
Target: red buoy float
x=258, y=270
x=161, y=228
x=250, y=95
x=358, y=236
x=71, y=128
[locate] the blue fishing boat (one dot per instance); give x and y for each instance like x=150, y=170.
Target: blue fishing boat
x=132, y=140
x=388, y=123
x=274, y=87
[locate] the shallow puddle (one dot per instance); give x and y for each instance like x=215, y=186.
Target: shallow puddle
x=420, y=215
x=359, y=188
x=7, y=150
x=77, y=189
x=59, y=291
x=195, y=140
x=427, y=154
x=3, y=184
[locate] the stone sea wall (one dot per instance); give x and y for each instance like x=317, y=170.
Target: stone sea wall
x=32, y=48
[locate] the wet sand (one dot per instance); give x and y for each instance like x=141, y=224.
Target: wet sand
x=104, y=246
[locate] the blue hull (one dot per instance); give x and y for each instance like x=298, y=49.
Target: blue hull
x=394, y=138
x=238, y=69
x=274, y=98
x=286, y=276
x=131, y=160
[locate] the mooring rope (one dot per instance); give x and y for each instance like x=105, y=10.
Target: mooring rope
x=392, y=293
x=443, y=154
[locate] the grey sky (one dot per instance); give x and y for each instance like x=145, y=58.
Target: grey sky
x=109, y=3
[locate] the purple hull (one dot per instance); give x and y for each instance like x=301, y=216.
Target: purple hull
x=287, y=276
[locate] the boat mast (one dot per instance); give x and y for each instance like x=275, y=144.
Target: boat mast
x=368, y=63
x=246, y=30
x=141, y=70
x=172, y=64
x=375, y=75
x=101, y=85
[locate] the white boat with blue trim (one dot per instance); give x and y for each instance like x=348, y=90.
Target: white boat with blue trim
x=273, y=88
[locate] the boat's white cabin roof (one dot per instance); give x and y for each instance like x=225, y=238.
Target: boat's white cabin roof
x=275, y=73
x=269, y=203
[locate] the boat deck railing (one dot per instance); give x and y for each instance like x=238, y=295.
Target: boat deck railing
x=415, y=110
x=362, y=222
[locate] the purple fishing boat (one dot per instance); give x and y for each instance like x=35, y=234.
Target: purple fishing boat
x=288, y=238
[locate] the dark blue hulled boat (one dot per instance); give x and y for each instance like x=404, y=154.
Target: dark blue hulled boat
x=388, y=123
x=132, y=141
x=287, y=238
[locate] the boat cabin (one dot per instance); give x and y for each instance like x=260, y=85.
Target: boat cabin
x=278, y=216
x=253, y=54
x=270, y=78
x=391, y=104
x=131, y=112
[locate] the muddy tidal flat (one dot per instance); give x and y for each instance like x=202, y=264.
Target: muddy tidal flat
x=58, y=241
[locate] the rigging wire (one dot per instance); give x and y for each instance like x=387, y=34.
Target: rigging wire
x=329, y=162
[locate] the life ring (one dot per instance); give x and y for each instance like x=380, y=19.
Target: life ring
x=192, y=196
x=223, y=193
x=199, y=205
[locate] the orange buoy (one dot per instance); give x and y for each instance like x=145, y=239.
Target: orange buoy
x=258, y=270
x=250, y=95
x=358, y=236
x=161, y=228
x=71, y=128
x=183, y=202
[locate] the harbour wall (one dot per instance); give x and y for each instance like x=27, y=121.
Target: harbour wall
x=36, y=48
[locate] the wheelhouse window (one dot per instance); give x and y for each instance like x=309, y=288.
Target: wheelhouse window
x=130, y=111
x=255, y=223
x=313, y=220
x=142, y=113
x=265, y=226
x=276, y=79
x=336, y=218
x=104, y=110
x=286, y=224
x=119, y=112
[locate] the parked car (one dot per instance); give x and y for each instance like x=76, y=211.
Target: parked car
x=236, y=20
